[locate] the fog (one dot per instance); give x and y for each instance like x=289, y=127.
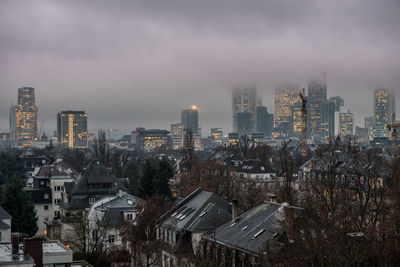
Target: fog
x=139, y=63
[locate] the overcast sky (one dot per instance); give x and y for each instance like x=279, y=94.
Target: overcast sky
x=139, y=63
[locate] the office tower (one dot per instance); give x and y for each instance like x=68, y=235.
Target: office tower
x=369, y=123
x=296, y=120
x=72, y=129
x=23, y=117
x=190, y=119
x=317, y=94
x=245, y=99
x=265, y=121
x=258, y=138
x=178, y=135
x=328, y=109
x=150, y=139
x=285, y=99
x=338, y=102
x=384, y=107
x=217, y=135
x=244, y=123
x=346, y=123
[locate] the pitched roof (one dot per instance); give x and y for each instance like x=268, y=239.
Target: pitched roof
x=188, y=215
x=253, y=229
x=125, y=201
x=4, y=214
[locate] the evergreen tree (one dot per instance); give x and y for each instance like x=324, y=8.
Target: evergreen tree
x=18, y=204
x=165, y=172
x=10, y=165
x=155, y=178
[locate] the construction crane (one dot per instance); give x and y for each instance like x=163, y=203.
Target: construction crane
x=393, y=127
x=304, y=124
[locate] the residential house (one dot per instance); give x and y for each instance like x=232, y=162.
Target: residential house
x=182, y=226
x=5, y=226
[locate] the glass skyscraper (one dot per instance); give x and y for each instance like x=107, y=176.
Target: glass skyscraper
x=23, y=117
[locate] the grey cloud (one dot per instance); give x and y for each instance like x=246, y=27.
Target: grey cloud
x=133, y=63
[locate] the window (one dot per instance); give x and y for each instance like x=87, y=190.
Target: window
x=129, y=216
x=46, y=196
x=57, y=214
x=58, y=188
x=94, y=235
x=91, y=200
x=0, y=237
x=46, y=207
x=57, y=201
x=111, y=239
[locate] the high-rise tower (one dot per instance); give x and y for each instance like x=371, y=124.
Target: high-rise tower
x=317, y=94
x=190, y=119
x=245, y=99
x=23, y=117
x=384, y=107
x=72, y=129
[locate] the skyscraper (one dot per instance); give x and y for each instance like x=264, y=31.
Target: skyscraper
x=369, y=123
x=328, y=119
x=346, y=123
x=285, y=99
x=245, y=99
x=317, y=94
x=72, y=129
x=265, y=121
x=244, y=123
x=384, y=107
x=190, y=119
x=338, y=101
x=23, y=117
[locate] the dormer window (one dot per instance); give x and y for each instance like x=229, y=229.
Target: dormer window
x=91, y=200
x=129, y=217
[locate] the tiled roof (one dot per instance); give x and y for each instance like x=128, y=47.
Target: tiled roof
x=4, y=214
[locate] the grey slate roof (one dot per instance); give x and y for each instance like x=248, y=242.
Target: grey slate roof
x=253, y=229
x=185, y=216
x=4, y=214
x=125, y=201
x=3, y=225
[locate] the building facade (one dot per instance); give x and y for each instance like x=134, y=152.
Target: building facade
x=317, y=94
x=328, y=109
x=72, y=129
x=384, y=107
x=346, y=123
x=265, y=121
x=245, y=99
x=23, y=117
x=190, y=119
x=285, y=99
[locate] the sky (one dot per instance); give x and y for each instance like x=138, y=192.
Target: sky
x=135, y=64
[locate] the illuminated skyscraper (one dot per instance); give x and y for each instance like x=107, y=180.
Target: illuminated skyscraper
x=245, y=99
x=285, y=99
x=23, y=117
x=216, y=134
x=369, y=123
x=384, y=107
x=346, y=123
x=190, y=119
x=72, y=129
x=317, y=94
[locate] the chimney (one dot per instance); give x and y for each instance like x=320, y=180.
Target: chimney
x=234, y=209
x=15, y=244
x=34, y=247
x=289, y=217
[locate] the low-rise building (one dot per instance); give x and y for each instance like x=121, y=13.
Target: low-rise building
x=247, y=240
x=182, y=226
x=5, y=226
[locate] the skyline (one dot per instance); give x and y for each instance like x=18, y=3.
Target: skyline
x=138, y=64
